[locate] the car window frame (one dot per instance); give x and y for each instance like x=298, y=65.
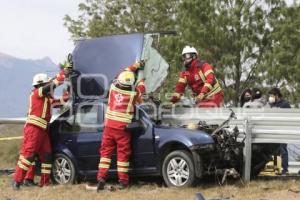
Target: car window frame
x=98, y=127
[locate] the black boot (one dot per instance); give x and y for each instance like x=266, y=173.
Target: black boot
x=15, y=185
x=121, y=186
x=29, y=183
x=101, y=184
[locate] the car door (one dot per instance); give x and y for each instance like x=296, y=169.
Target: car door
x=144, y=157
x=81, y=133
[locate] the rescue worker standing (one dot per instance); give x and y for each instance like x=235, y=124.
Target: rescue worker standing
x=123, y=95
x=200, y=78
x=36, y=140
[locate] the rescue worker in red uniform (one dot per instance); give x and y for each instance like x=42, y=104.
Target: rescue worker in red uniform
x=123, y=95
x=200, y=77
x=36, y=140
x=55, y=103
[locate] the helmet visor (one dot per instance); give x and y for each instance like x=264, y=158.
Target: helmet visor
x=187, y=56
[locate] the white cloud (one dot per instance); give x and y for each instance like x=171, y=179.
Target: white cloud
x=34, y=29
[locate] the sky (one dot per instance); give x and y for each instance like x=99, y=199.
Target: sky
x=33, y=29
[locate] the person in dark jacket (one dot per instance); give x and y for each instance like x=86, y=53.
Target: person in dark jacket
x=276, y=101
x=246, y=96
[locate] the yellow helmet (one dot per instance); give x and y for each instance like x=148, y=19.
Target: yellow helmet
x=126, y=78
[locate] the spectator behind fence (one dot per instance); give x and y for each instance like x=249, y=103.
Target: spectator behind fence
x=245, y=97
x=258, y=101
x=276, y=101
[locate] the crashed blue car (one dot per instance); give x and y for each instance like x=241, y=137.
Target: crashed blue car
x=173, y=151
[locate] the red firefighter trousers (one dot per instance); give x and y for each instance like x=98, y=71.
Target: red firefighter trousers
x=213, y=101
x=115, y=138
x=36, y=142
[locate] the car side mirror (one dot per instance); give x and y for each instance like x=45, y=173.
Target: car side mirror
x=135, y=127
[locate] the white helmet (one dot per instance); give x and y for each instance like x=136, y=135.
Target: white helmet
x=126, y=78
x=188, y=49
x=39, y=79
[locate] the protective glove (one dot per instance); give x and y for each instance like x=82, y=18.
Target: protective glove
x=140, y=86
x=200, y=97
x=60, y=76
x=139, y=65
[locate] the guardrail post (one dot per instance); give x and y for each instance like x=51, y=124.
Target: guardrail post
x=247, y=152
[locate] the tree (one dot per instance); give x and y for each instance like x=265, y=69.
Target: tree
x=98, y=18
x=239, y=37
x=233, y=35
x=283, y=60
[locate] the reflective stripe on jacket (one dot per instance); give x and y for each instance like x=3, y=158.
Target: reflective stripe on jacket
x=120, y=107
x=39, y=113
x=200, y=78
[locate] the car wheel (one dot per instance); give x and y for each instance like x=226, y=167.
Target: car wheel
x=63, y=170
x=178, y=169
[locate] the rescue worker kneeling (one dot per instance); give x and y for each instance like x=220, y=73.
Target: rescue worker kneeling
x=36, y=140
x=123, y=95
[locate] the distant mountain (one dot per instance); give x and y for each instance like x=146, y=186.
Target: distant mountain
x=15, y=82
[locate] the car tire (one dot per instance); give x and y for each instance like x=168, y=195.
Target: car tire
x=63, y=170
x=178, y=169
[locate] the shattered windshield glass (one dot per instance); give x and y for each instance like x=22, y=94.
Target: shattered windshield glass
x=156, y=69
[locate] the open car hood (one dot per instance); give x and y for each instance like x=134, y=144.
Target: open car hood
x=97, y=61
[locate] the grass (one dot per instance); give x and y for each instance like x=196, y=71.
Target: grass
x=11, y=130
x=9, y=150
x=266, y=190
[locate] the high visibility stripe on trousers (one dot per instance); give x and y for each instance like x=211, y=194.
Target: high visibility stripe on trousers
x=46, y=168
x=104, y=163
x=23, y=163
x=123, y=166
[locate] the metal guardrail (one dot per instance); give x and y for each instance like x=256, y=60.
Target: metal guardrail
x=12, y=120
x=294, y=167
x=267, y=125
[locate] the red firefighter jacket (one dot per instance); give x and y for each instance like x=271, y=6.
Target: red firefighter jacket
x=39, y=113
x=200, y=78
x=121, y=103
x=120, y=108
